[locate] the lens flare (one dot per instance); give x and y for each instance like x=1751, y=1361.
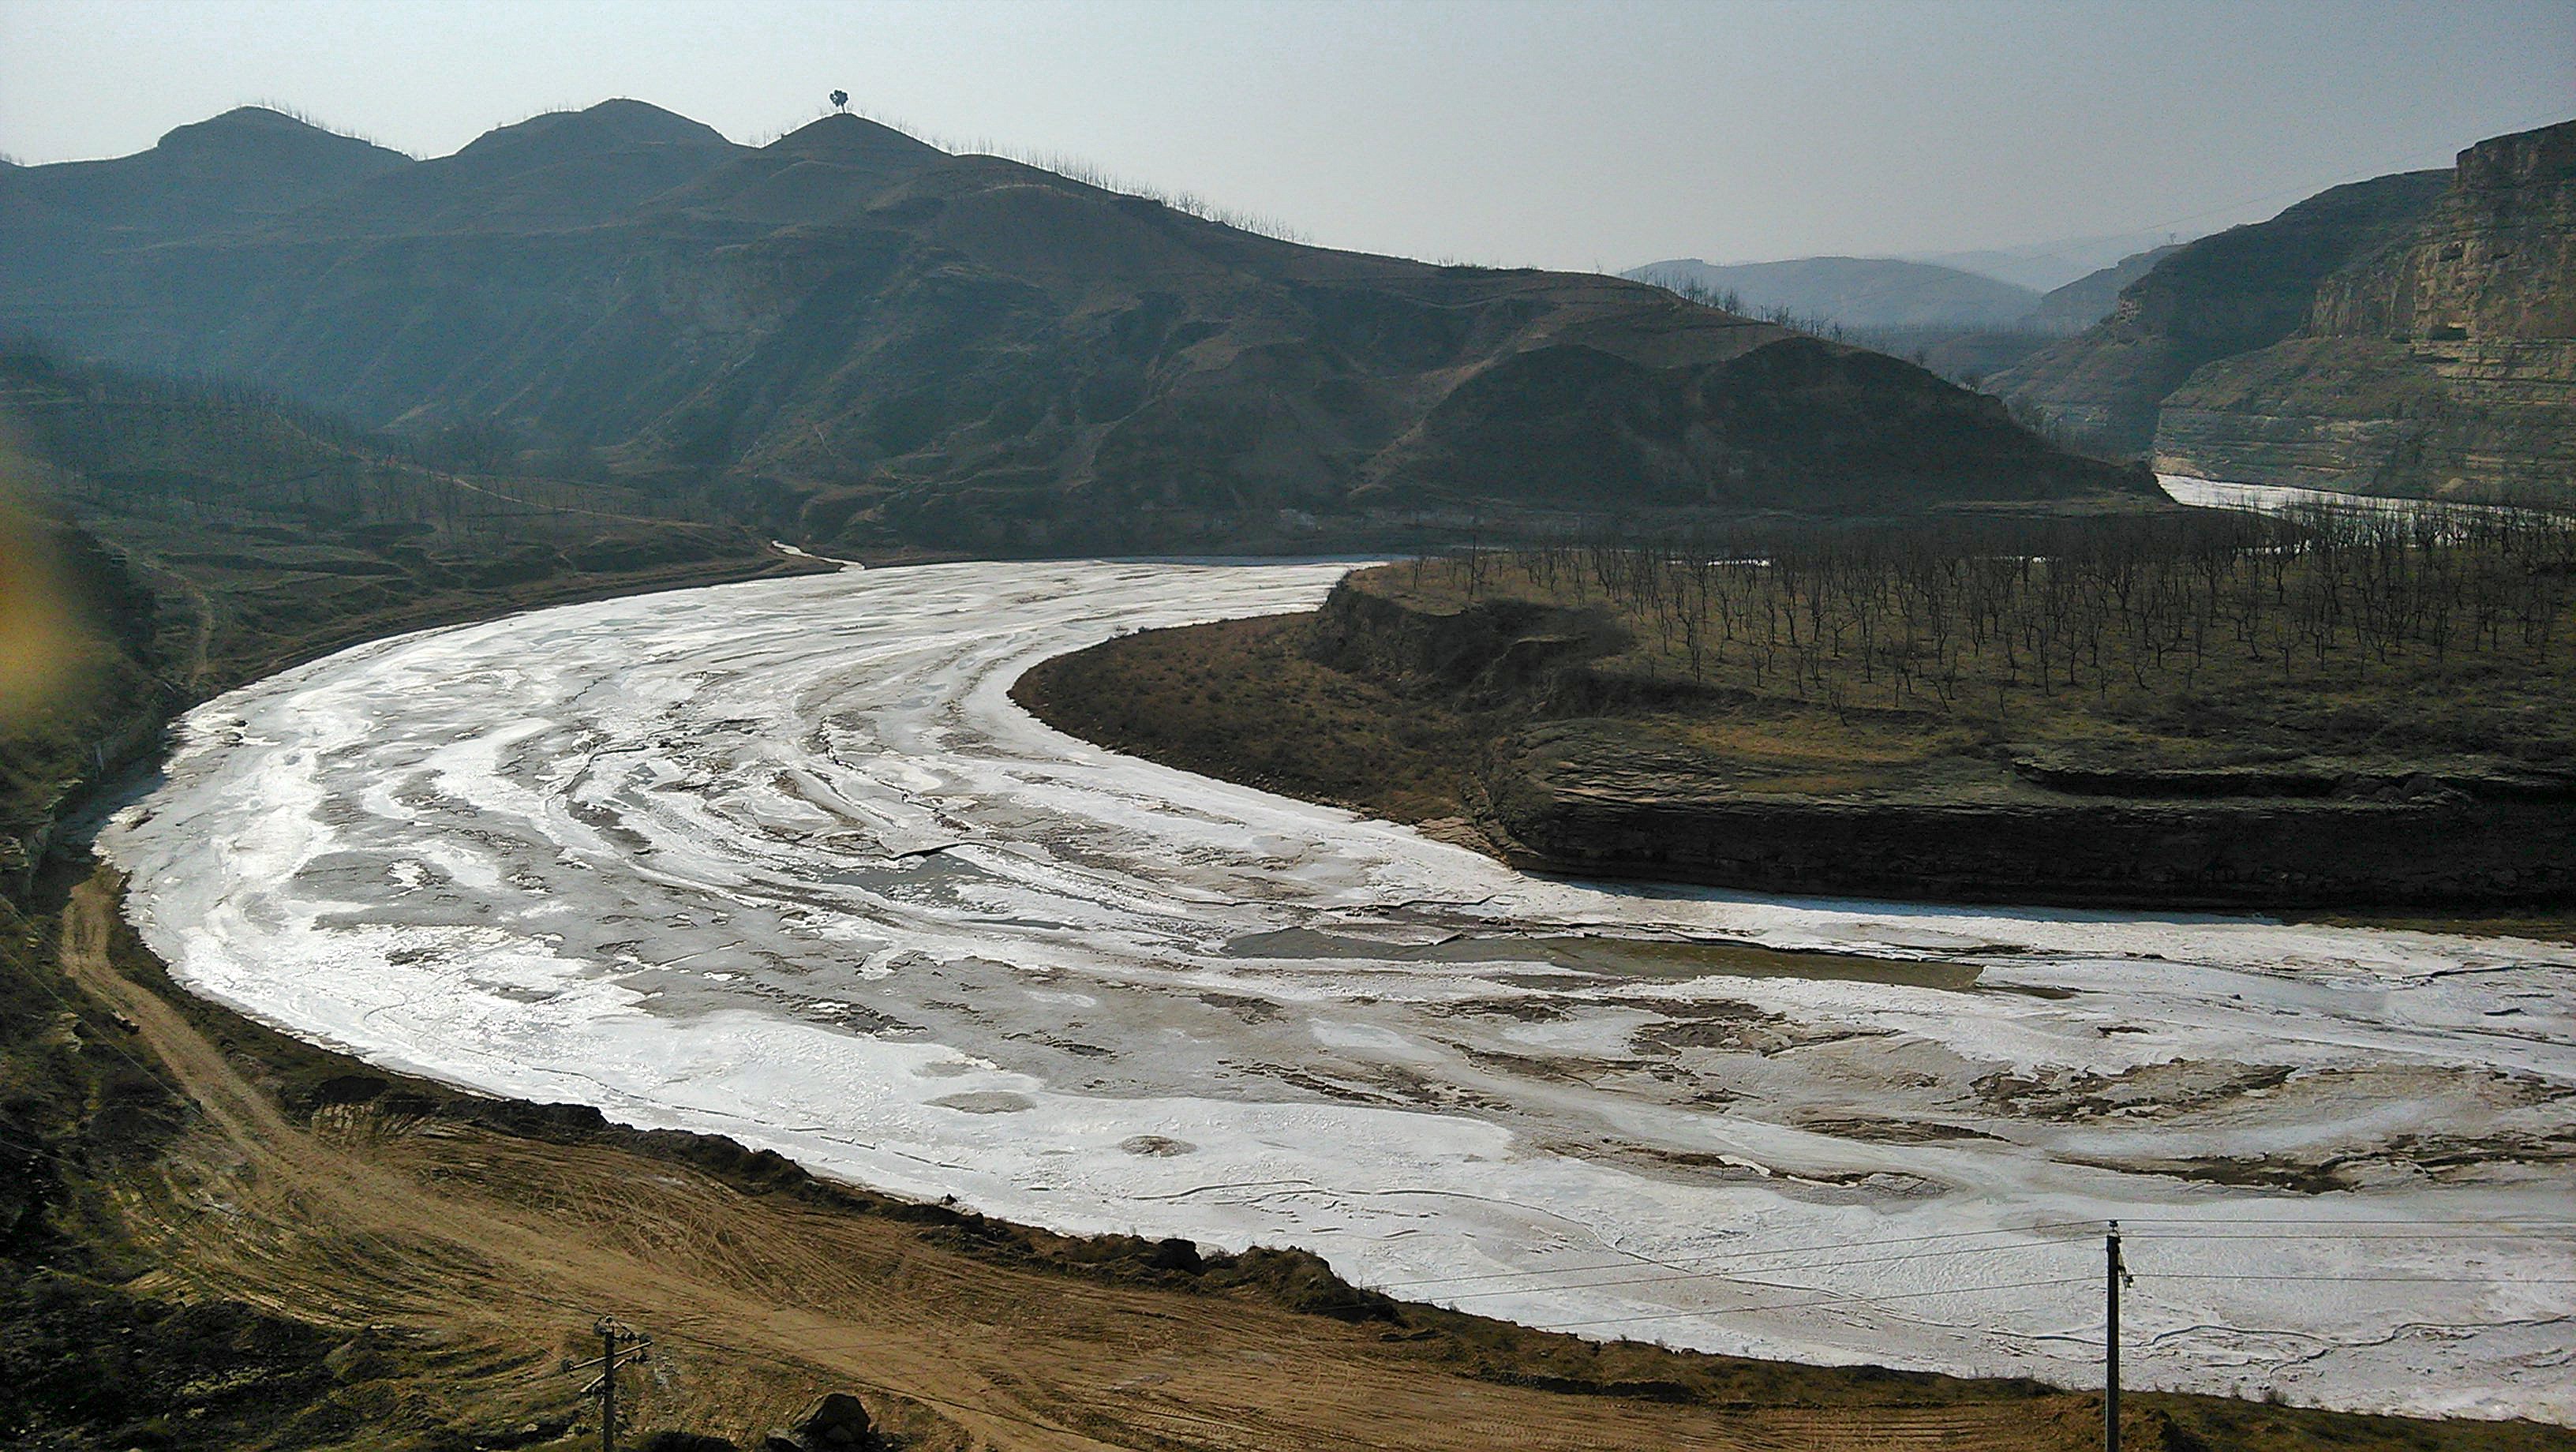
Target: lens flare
x=41, y=634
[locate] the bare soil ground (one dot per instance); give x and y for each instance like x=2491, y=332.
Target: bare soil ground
x=463, y=1261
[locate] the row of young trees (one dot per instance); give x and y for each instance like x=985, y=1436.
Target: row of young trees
x=1728, y=300
x=1965, y=613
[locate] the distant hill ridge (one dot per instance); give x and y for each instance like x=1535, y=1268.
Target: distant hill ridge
x=1884, y=297
x=870, y=343
x=1856, y=292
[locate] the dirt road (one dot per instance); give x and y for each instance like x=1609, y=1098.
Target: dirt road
x=490, y=1255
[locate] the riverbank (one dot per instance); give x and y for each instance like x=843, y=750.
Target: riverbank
x=1570, y=732
x=1074, y=1069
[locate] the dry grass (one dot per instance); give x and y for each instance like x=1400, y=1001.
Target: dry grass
x=1241, y=700
x=447, y=1260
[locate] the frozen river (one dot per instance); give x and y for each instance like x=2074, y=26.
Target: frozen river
x=782, y=861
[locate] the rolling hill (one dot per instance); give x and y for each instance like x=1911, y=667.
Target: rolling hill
x=161, y=541
x=873, y=344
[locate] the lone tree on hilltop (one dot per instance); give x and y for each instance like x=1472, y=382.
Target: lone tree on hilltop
x=840, y=100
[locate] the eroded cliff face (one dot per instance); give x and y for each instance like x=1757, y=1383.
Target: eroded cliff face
x=1593, y=798
x=2441, y=365
x=2224, y=295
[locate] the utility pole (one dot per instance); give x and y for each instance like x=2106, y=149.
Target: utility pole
x=608, y=1385
x=615, y=1337
x=2114, y=1274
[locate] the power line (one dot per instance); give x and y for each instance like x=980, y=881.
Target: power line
x=2434, y=1231
x=2370, y=1280
x=1729, y=1255
x=1830, y=1300
x=2528, y=1221
x=1736, y=1262
x=1733, y=1262
x=1738, y=1272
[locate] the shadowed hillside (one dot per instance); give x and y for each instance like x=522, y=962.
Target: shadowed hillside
x=2090, y=298
x=178, y=540
x=876, y=345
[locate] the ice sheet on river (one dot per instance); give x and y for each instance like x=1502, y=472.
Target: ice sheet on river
x=783, y=861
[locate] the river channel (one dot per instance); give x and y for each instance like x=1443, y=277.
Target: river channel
x=783, y=861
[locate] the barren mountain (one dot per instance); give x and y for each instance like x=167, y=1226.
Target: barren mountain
x=872, y=343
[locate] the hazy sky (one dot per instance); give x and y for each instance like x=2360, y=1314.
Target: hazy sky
x=1570, y=135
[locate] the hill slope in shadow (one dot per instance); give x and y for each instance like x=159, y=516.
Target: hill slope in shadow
x=874, y=344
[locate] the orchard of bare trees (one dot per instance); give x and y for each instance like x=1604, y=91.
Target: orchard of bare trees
x=1987, y=617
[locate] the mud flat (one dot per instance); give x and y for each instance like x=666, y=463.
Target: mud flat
x=782, y=861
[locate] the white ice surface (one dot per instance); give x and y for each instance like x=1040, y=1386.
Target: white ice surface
x=2279, y=498
x=782, y=861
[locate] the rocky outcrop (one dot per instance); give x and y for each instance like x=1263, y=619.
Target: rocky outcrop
x=1485, y=651
x=2444, y=365
x=2411, y=335
x=2223, y=295
x=837, y=1423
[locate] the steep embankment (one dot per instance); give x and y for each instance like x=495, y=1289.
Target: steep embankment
x=1588, y=780
x=2443, y=365
x=1563, y=736
x=2412, y=335
x=876, y=344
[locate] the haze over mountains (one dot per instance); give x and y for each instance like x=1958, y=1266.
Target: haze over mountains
x=1889, y=295
x=869, y=342
x=2047, y=266
x=1856, y=292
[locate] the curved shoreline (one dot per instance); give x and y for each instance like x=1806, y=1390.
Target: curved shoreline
x=995, y=941
x=1560, y=792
